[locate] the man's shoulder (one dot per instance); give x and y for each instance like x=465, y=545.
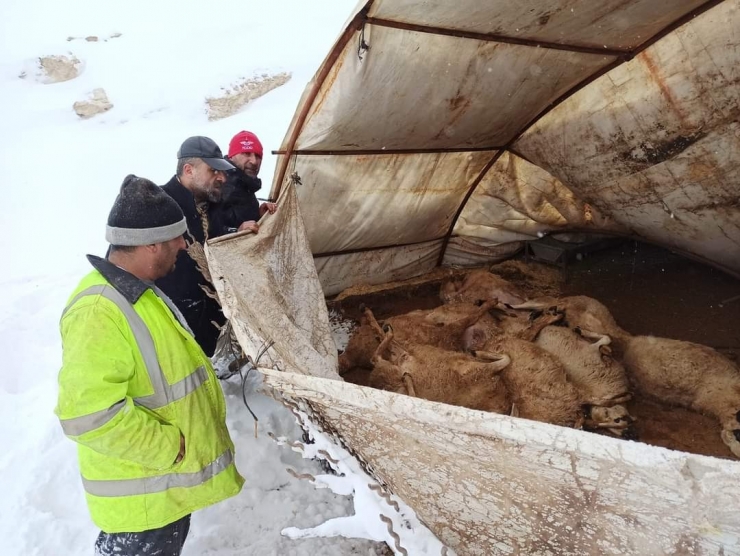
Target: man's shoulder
x=172, y=187
x=181, y=195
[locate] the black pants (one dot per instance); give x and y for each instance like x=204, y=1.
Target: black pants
x=165, y=541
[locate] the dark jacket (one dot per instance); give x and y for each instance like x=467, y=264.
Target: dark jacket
x=238, y=202
x=183, y=285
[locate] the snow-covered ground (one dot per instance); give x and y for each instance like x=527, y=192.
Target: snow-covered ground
x=60, y=176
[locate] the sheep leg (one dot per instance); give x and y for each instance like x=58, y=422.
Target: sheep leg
x=469, y=320
x=408, y=382
x=532, y=331
x=374, y=324
x=535, y=304
x=608, y=402
x=591, y=424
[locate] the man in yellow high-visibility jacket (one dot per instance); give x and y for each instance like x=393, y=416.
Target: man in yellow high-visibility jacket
x=136, y=392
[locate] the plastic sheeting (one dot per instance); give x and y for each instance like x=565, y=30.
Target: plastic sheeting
x=489, y=484
x=627, y=107
x=269, y=290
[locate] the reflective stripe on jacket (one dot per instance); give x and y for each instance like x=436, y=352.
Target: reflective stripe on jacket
x=133, y=380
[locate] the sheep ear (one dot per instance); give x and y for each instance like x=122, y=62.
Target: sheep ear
x=605, y=350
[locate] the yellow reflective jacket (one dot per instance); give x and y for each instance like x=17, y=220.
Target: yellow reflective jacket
x=133, y=380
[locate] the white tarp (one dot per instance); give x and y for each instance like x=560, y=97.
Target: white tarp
x=628, y=107
x=490, y=485
x=269, y=290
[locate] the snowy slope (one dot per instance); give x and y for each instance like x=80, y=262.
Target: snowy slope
x=60, y=176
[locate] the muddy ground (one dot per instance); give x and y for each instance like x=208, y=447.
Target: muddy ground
x=649, y=291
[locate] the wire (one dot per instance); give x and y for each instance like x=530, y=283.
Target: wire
x=244, y=376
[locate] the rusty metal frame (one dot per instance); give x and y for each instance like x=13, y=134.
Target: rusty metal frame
x=367, y=249
x=491, y=37
x=371, y=152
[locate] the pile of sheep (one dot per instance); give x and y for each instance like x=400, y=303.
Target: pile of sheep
x=563, y=360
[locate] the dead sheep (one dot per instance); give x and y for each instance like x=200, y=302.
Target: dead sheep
x=535, y=380
x=439, y=375
x=601, y=380
x=585, y=313
x=359, y=351
x=442, y=327
x=688, y=375
x=481, y=285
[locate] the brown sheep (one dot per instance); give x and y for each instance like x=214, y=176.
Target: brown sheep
x=360, y=348
x=442, y=327
x=585, y=313
x=536, y=380
x=688, y=375
x=439, y=375
x=481, y=285
x=601, y=381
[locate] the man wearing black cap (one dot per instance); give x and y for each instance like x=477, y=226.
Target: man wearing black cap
x=136, y=393
x=195, y=187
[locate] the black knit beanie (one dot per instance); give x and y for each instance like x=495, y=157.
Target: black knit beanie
x=143, y=214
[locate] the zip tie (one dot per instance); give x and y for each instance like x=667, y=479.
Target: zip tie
x=328, y=457
x=385, y=496
x=396, y=538
x=303, y=476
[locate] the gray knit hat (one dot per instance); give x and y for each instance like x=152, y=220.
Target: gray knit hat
x=143, y=214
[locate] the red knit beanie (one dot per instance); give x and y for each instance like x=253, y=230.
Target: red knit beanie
x=245, y=142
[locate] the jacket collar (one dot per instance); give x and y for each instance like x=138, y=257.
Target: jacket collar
x=182, y=195
x=246, y=181
x=128, y=285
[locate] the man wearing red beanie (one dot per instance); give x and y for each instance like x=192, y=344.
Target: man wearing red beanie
x=239, y=208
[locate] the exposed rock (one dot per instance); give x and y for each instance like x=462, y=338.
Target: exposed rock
x=115, y=35
x=91, y=38
x=55, y=69
x=242, y=93
x=97, y=104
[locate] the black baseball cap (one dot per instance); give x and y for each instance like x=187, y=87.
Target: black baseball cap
x=207, y=150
